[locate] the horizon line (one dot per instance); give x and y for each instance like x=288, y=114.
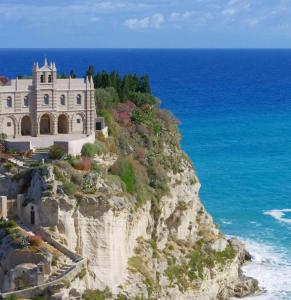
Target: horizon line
x=143, y=48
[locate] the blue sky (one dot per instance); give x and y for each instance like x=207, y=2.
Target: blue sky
x=145, y=23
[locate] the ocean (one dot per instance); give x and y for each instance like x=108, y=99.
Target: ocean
x=235, y=113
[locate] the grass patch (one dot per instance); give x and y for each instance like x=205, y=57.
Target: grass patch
x=70, y=188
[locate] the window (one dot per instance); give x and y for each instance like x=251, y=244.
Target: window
x=63, y=100
x=26, y=101
x=9, y=102
x=78, y=121
x=9, y=124
x=50, y=78
x=42, y=78
x=46, y=99
x=79, y=99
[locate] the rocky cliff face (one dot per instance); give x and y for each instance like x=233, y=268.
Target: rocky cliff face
x=135, y=214
x=169, y=251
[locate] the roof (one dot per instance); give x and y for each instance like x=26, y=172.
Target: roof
x=4, y=80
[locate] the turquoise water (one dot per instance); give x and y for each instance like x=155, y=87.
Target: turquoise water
x=235, y=112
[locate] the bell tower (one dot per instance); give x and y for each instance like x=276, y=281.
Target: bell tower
x=45, y=75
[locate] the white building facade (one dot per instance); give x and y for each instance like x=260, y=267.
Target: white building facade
x=47, y=105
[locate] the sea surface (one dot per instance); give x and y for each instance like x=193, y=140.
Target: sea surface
x=235, y=113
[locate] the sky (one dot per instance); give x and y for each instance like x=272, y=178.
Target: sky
x=145, y=24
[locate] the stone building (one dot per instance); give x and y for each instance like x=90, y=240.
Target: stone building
x=47, y=105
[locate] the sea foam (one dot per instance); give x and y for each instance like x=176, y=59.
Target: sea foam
x=271, y=267
x=279, y=214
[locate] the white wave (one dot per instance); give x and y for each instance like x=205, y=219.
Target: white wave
x=226, y=222
x=271, y=267
x=279, y=214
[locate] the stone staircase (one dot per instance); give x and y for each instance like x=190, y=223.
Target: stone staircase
x=64, y=267
x=38, y=155
x=67, y=271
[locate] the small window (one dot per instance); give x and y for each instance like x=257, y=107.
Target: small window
x=50, y=78
x=9, y=124
x=63, y=100
x=26, y=101
x=46, y=99
x=9, y=102
x=79, y=99
x=78, y=121
x=42, y=78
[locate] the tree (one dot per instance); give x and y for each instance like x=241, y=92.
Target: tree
x=91, y=71
x=72, y=74
x=106, y=98
x=144, y=84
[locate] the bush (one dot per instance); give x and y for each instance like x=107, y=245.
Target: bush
x=35, y=240
x=70, y=188
x=3, y=137
x=56, y=152
x=83, y=164
x=141, y=99
x=8, y=166
x=126, y=173
x=106, y=98
x=13, y=297
x=82, y=273
x=134, y=176
x=89, y=150
x=98, y=294
x=112, y=125
x=7, y=224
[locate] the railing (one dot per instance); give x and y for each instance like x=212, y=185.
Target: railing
x=68, y=275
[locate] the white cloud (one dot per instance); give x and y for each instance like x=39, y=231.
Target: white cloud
x=137, y=23
x=178, y=16
x=157, y=20
x=154, y=21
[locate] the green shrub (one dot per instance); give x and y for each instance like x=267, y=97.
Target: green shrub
x=70, y=188
x=127, y=175
x=146, y=117
x=106, y=98
x=56, y=152
x=113, y=127
x=3, y=137
x=178, y=274
x=55, y=261
x=134, y=176
x=59, y=174
x=82, y=273
x=8, y=166
x=98, y=294
x=39, y=298
x=141, y=99
x=35, y=164
x=11, y=224
x=89, y=150
x=13, y=297
x=8, y=224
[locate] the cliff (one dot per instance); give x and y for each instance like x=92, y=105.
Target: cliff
x=134, y=212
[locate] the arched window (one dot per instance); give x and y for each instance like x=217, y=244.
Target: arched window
x=42, y=78
x=46, y=99
x=50, y=78
x=63, y=100
x=26, y=101
x=79, y=99
x=9, y=101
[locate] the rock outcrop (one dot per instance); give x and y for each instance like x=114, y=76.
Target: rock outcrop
x=135, y=215
x=169, y=251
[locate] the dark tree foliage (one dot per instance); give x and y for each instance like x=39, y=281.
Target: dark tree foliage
x=72, y=74
x=125, y=85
